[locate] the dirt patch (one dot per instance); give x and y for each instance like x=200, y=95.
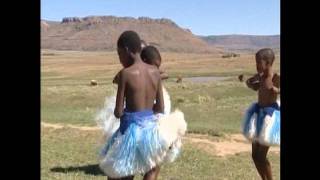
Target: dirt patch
x=232, y=145
x=61, y=126
x=203, y=79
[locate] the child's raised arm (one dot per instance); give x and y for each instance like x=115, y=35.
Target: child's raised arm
x=253, y=82
x=159, y=106
x=118, y=111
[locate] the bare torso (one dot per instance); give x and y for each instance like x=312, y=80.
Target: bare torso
x=264, y=86
x=141, y=86
x=266, y=96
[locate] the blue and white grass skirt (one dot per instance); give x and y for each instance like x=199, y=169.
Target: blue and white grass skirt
x=109, y=123
x=142, y=141
x=262, y=124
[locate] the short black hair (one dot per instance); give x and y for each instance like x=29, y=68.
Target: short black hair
x=131, y=40
x=149, y=54
x=265, y=54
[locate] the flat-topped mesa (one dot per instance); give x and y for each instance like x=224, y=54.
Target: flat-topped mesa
x=114, y=19
x=95, y=33
x=160, y=21
x=70, y=20
x=131, y=19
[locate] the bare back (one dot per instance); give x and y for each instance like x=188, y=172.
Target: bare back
x=139, y=85
x=141, y=88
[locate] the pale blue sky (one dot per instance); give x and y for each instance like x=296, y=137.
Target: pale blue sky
x=202, y=17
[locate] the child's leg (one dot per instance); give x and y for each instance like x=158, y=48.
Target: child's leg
x=259, y=156
x=255, y=152
x=125, y=178
x=128, y=178
x=152, y=174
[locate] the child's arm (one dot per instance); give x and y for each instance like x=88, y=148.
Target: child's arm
x=253, y=82
x=118, y=110
x=159, y=106
x=116, y=78
x=276, y=83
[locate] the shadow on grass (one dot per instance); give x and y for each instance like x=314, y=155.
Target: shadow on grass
x=92, y=169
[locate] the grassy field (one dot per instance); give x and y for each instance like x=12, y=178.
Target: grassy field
x=213, y=108
x=72, y=154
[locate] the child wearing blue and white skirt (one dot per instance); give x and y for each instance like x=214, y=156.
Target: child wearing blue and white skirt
x=141, y=140
x=261, y=124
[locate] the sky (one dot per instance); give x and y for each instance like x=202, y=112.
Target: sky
x=202, y=17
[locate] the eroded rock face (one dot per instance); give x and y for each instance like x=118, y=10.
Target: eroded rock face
x=71, y=19
x=93, y=19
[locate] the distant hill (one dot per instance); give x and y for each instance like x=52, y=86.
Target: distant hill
x=243, y=43
x=101, y=33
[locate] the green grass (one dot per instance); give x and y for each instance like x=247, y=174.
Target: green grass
x=213, y=108
x=72, y=104
x=63, y=157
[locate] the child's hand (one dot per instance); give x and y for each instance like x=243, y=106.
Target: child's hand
x=254, y=82
x=248, y=83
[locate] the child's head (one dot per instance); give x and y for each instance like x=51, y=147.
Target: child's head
x=264, y=59
x=128, y=42
x=151, y=55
